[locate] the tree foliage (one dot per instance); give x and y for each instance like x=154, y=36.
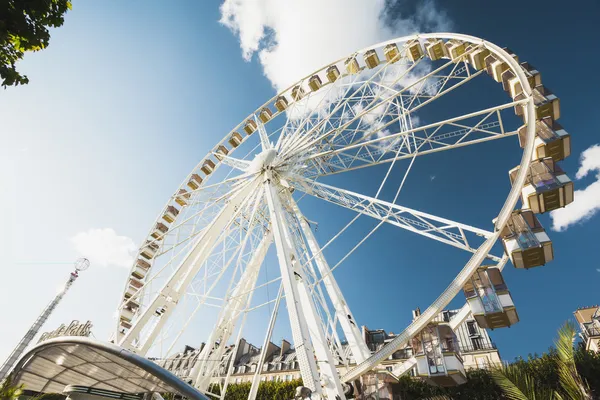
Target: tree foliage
x=24, y=27
x=9, y=391
x=555, y=375
x=271, y=390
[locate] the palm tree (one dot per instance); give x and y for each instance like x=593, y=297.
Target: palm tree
x=517, y=384
x=8, y=391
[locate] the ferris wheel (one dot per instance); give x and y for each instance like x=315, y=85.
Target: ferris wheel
x=381, y=108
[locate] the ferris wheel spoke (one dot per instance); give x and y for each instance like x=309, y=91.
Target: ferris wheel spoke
x=358, y=94
x=342, y=311
x=173, y=289
x=194, y=224
x=433, y=227
x=432, y=85
x=468, y=129
x=241, y=165
x=233, y=308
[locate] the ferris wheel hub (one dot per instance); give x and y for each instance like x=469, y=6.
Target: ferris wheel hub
x=263, y=160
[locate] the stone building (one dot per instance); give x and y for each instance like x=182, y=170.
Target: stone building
x=589, y=325
x=477, y=351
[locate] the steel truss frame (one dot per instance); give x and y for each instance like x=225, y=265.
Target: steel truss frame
x=305, y=150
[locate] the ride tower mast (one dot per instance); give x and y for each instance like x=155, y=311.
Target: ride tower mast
x=80, y=265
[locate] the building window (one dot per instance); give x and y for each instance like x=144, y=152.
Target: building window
x=288, y=378
x=472, y=328
x=446, y=316
x=477, y=343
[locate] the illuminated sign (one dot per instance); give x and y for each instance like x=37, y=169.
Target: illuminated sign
x=75, y=328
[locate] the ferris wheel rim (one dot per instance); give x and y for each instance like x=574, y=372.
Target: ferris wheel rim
x=515, y=191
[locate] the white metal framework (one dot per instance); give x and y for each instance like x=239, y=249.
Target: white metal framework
x=80, y=265
x=208, y=246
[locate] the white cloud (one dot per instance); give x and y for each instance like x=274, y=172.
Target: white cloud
x=104, y=247
x=587, y=200
x=292, y=38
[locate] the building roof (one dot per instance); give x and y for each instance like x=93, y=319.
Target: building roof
x=585, y=314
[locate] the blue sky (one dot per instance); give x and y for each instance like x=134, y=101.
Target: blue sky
x=128, y=97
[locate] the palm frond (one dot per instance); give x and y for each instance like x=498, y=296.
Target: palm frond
x=570, y=380
x=511, y=391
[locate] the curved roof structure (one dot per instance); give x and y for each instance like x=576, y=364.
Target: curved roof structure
x=56, y=363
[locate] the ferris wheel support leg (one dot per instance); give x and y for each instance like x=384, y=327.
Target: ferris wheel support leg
x=177, y=283
x=263, y=354
x=211, y=357
x=303, y=319
x=360, y=351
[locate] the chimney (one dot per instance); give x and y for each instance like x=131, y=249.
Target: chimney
x=416, y=312
x=241, y=350
x=272, y=348
x=285, y=346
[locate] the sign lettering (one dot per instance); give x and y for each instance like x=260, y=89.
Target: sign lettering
x=75, y=328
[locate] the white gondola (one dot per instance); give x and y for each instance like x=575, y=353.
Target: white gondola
x=281, y=103
x=371, y=59
x=208, y=167
x=332, y=73
x=130, y=291
x=414, y=50
x=551, y=140
x=195, y=181
x=140, y=269
x=489, y=299
x=235, y=140
x=477, y=57
x=351, y=65
x=391, y=52
x=159, y=231
x=297, y=92
x=455, y=49
x=221, y=151
x=265, y=114
x=546, y=188
x=495, y=67
x=438, y=358
x=149, y=250
x=132, y=303
x=315, y=83
x=250, y=126
x=136, y=283
x=127, y=314
x=170, y=214
x=547, y=104
x=182, y=197
x=525, y=240
x=511, y=83
x=435, y=49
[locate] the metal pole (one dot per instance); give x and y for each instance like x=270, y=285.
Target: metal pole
x=80, y=265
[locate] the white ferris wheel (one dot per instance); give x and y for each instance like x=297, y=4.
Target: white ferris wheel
x=202, y=260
